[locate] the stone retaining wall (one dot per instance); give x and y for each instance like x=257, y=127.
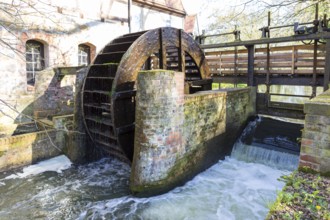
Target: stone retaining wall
x=178, y=136
x=315, y=143
x=25, y=149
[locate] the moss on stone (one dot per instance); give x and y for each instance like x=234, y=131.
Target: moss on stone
x=183, y=169
x=306, y=169
x=156, y=71
x=109, y=64
x=2, y=153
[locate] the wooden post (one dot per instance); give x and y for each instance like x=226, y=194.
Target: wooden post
x=162, y=51
x=293, y=60
x=220, y=63
x=314, y=83
x=268, y=65
x=327, y=67
x=250, y=73
x=268, y=69
x=181, y=54
x=235, y=67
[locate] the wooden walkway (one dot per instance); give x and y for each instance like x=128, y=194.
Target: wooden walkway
x=282, y=60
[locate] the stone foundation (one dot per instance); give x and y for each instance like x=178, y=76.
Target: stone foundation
x=178, y=136
x=315, y=143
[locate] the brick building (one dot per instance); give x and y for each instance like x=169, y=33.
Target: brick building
x=38, y=36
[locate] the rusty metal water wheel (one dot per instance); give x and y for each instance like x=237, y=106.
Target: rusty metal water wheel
x=108, y=95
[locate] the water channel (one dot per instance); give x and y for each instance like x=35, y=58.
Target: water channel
x=240, y=187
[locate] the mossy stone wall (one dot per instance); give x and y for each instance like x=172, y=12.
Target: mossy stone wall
x=25, y=149
x=178, y=136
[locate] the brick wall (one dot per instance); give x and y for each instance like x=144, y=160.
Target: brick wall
x=178, y=136
x=159, y=124
x=315, y=143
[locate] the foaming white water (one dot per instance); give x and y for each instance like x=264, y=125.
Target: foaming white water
x=257, y=154
x=57, y=164
x=250, y=153
x=231, y=189
x=235, y=188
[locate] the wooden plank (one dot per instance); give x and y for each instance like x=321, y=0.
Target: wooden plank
x=264, y=65
x=309, y=64
x=327, y=67
x=274, y=72
x=301, y=72
x=303, y=48
x=227, y=65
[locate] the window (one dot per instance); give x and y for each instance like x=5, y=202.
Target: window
x=34, y=59
x=84, y=55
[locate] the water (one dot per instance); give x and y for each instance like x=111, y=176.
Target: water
x=234, y=188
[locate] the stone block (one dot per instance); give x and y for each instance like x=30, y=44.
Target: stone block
x=317, y=119
x=313, y=166
x=311, y=136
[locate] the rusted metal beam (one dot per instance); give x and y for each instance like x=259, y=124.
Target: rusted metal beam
x=321, y=35
x=327, y=67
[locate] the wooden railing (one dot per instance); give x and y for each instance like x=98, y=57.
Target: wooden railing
x=282, y=60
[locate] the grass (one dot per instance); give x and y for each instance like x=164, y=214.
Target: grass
x=305, y=196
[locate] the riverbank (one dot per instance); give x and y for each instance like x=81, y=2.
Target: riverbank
x=305, y=196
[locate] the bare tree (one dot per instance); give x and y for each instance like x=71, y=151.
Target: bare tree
x=250, y=15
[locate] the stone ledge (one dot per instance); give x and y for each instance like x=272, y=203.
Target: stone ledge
x=320, y=105
x=6, y=142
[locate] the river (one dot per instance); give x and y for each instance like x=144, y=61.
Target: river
x=240, y=187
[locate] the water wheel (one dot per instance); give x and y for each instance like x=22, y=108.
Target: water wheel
x=108, y=96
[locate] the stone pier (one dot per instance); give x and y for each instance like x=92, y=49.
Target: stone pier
x=176, y=135
x=315, y=143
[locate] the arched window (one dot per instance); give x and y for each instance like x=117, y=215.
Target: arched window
x=84, y=54
x=34, y=59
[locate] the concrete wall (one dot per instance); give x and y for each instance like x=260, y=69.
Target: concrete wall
x=178, y=136
x=315, y=143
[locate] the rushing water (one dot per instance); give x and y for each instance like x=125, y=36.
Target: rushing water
x=234, y=188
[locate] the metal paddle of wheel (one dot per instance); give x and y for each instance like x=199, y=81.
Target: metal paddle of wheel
x=108, y=95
